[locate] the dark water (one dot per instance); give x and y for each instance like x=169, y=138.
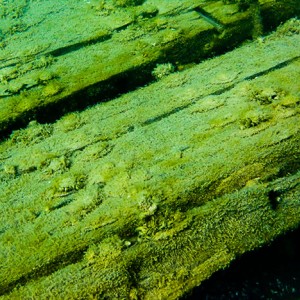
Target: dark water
x=272, y=272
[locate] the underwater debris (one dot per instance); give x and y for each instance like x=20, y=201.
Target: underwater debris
x=163, y=70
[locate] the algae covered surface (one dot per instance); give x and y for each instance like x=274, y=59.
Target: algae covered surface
x=147, y=195
x=57, y=56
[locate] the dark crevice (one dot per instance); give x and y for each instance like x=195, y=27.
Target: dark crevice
x=47, y=269
x=61, y=261
x=105, y=90
x=102, y=92
x=221, y=91
x=274, y=197
x=277, y=67
x=209, y=18
x=71, y=47
x=182, y=52
x=165, y=115
x=76, y=46
x=63, y=203
x=91, y=41
x=274, y=16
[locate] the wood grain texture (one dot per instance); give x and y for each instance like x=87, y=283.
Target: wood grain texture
x=146, y=196
x=62, y=56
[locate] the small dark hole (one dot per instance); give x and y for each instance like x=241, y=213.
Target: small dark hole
x=274, y=197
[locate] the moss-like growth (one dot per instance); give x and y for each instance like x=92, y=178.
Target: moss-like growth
x=158, y=189
x=243, y=4
x=125, y=3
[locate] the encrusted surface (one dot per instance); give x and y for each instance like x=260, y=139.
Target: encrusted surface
x=146, y=196
x=58, y=56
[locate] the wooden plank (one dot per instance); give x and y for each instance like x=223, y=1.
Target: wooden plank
x=63, y=56
x=202, y=166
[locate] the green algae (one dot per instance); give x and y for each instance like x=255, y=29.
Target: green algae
x=146, y=196
x=99, y=44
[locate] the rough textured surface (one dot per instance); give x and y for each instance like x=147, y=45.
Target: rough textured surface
x=270, y=272
x=148, y=195
x=57, y=56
